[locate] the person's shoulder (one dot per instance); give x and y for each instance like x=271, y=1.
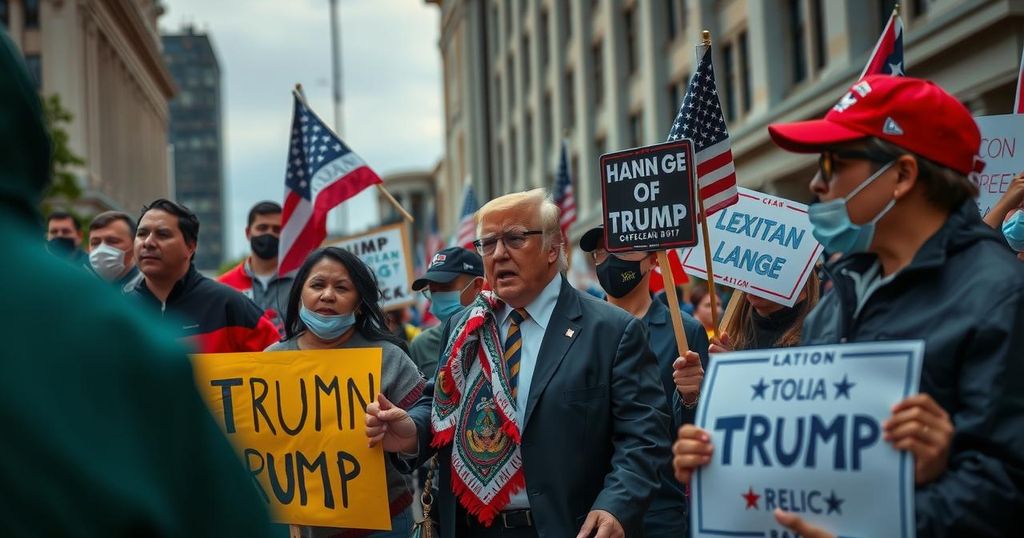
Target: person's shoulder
x=236, y=277
x=232, y=298
x=426, y=336
x=283, y=345
x=594, y=309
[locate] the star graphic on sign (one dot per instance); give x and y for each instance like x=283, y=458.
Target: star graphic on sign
x=843, y=387
x=752, y=498
x=834, y=503
x=759, y=389
x=896, y=69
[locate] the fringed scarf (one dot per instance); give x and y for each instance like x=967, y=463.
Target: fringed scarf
x=474, y=407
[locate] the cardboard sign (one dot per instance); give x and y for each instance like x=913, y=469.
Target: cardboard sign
x=761, y=245
x=1002, y=149
x=801, y=429
x=297, y=420
x=648, y=197
x=386, y=251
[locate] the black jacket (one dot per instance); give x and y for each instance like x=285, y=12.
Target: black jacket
x=215, y=317
x=963, y=294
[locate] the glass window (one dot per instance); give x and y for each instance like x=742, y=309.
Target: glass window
x=730, y=90
x=798, y=50
x=636, y=128
x=570, y=100
x=566, y=20
x=744, y=72
x=524, y=54
x=511, y=76
x=629, y=21
x=528, y=140
x=543, y=38
x=598, y=82
x=31, y=13
x=820, y=46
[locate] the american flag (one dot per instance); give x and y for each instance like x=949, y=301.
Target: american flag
x=564, y=198
x=887, y=57
x=1018, y=103
x=700, y=119
x=322, y=173
x=466, y=232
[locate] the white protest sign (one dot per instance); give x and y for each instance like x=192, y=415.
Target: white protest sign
x=761, y=245
x=800, y=429
x=386, y=251
x=1003, y=156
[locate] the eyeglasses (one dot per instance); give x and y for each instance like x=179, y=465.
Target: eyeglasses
x=600, y=255
x=512, y=240
x=826, y=165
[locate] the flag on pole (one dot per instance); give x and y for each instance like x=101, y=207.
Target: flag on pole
x=657, y=282
x=1018, y=103
x=322, y=173
x=564, y=197
x=700, y=119
x=887, y=57
x=466, y=232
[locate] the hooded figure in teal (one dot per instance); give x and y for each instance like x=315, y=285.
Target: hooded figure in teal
x=104, y=432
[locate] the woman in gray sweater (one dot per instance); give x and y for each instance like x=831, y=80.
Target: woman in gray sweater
x=334, y=304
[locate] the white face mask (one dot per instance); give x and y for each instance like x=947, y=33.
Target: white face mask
x=107, y=261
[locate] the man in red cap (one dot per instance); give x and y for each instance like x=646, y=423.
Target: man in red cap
x=918, y=263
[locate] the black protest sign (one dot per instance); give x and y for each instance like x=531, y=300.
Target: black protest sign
x=648, y=196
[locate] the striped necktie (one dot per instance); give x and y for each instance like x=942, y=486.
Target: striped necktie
x=514, y=348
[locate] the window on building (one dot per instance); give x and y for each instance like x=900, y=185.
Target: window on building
x=496, y=106
x=820, y=41
x=566, y=20
x=510, y=75
x=918, y=7
x=798, y=49
x=547, y=118
x=629, y=21
x=744, y=72
x=885, y=8
x=494, y=29
x=570, y=100
x=676, y=12
x=729, y=67
x=508, y=20
x=35, y=69
x=5, y=18
x=31, y=13
x=596, y=53
x=528, y=139
x=636, y=129
x=499, y=164
x=542, y=39
x=513, y=153
x=676, y=92
x=600, y=145
x=524, y=54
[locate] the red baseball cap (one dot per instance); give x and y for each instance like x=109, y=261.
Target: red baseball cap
x=914, y=114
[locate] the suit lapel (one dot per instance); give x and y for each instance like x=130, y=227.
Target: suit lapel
x=563, y=329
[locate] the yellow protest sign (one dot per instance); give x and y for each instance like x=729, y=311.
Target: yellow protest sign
x=296, y=419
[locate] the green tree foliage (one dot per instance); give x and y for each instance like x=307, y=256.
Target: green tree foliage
x=64, y=187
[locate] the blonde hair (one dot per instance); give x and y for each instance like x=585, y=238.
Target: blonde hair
x=550, y=216
x=741, y=326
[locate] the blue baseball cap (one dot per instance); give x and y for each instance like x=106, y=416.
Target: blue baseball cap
x=448, y=264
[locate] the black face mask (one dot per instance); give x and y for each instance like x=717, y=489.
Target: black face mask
x=264, y=246
x=61, y=246
x=619, y=277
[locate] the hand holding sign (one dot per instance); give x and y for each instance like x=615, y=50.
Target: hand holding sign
x=720, y=344
x=688, y=374
x=802, y=528
x=921, y=427
x=390, y=426
x=692, y=450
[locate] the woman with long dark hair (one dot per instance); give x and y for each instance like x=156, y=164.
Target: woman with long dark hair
x=333, y=304
x=762, y=324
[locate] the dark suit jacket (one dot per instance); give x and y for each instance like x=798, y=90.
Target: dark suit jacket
x=595, y=422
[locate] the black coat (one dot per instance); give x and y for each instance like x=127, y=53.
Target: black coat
x=963, y=294
x=596, y=418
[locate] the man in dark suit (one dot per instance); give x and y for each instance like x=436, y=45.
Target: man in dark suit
x=626, y=278
x=564, y=434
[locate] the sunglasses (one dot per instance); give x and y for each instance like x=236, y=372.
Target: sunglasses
x=826, y=162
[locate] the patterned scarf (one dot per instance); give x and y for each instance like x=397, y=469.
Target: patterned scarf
x=474, y=407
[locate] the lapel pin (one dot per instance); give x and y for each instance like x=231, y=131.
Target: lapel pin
x=569, y=333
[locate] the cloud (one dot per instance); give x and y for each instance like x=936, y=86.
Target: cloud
x=393, y=110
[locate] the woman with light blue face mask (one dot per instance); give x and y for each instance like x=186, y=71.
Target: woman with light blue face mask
x=333, y=304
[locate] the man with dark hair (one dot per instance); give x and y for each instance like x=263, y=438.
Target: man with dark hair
x=215, y=317
x=106, y=432
x=64, y=237
x=111, y=256
x=256, y=276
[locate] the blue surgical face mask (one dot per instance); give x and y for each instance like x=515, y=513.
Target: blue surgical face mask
x=831, y=225
x=445, y=304
x=1013, y=231
x=326, y=327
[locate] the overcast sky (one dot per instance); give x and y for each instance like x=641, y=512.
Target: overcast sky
x=391, y=81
